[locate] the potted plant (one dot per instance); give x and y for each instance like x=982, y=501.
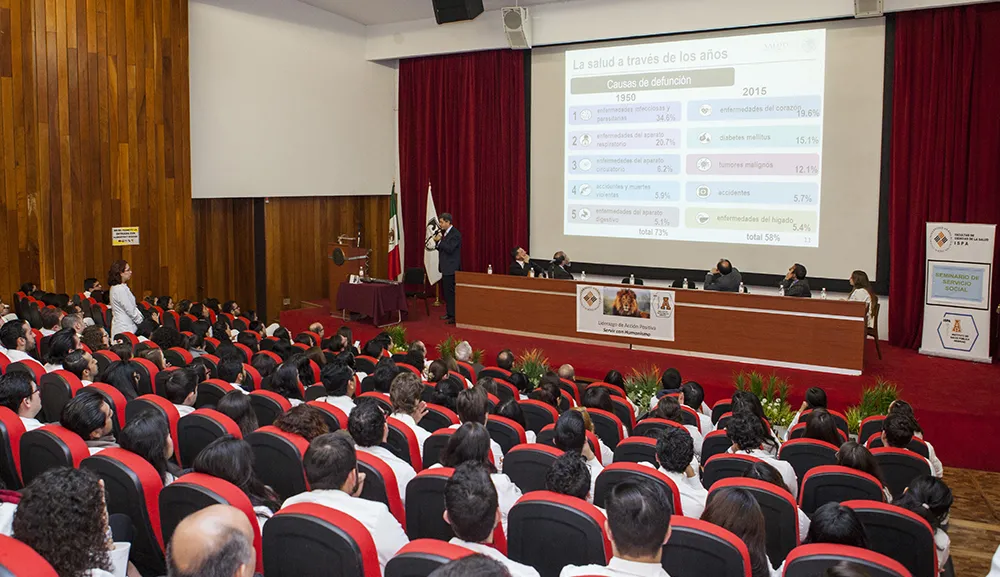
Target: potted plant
x=641, y=385
x=875, y=400
x=772, y=391
x=533, y=363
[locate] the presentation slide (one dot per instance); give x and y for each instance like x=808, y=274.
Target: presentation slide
x=712, y=140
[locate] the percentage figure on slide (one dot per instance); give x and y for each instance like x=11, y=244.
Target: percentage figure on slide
x=772, y=237
x=804, y=198
x=807, y=140
x=665, y=169
x=806, y=169
x=801, y=228
x=808, y=113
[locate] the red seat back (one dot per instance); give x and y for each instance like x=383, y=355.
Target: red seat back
x=57, y=388
x=278, y=460
x=615, y=473
x=809, y=560
x=268, y=406
x=11, y=430
x=198, y=429
x=833, y=483
x=164, y=407
x=899, y=534
x=899, y=467
x=505, y=432
x=725, y=466
x=210, y=392
x=527, y=465
x=49, y=447
x=381, y=485
x=651, y=427
x=19, y=560
x=538, y=414
x=549, y=531
x=302, y=537
x=115, y=399
x=697, y=547
x=781, y=514
x=805, y=454
x=636, y=450
x=335, y=418
x=403, y=443
x=423, y=556
x=607, y=426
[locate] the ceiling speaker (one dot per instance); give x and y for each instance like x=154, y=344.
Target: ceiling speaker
x=867, y=8
x=517, y=26
x=446, y=11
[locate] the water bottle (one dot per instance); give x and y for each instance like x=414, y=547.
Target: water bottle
x=822, y=293
x=685, y=285
x=583, y=275
x=631, y=279
x=742, y=288
x=489, y=269
x=531, y=273
x=781, y=290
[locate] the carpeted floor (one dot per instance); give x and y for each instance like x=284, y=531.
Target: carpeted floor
x=956, y=401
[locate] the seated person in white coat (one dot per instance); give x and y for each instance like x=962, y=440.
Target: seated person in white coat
x=693, y=396
x=407, y=406
x=746, y=431
x=815, y=399
x=338, y=380
x=83, y=365
x=931, y=499
x=89, y=416
x=569, y=475
x=231, y=371
x=16, y=340
x=473, y=407
x=20, y=394
x=638, y=525
x=368, y=428
x=471, y=508
x=675, y=457
x=61, y=344
x=571, y=436
x=768, y=474
x=331, y=466
x=180, y=389
x=669, y=409
x=902, y=407
x=897, y=432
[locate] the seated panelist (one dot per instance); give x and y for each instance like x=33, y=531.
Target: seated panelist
x=724, y=277
x=559, y=269
x=522, y=264
x=795, y=283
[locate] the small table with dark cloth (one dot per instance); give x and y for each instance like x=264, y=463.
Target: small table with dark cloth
x=376, y=300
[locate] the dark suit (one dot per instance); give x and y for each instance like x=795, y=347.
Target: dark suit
x=449, y=262
x=796, y=288
x=517, y=270
x=558, y=272
x=724, y=282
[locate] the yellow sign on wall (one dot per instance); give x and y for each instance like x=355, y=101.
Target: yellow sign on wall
x=124, y=235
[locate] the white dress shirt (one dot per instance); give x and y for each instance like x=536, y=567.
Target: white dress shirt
x=494, y=449
x=125, y=317
x=595, y=469
x=16, y=356
x=516, y=569
x=617, y=567
x=30, y=424
x=184, y=410
x=421, y=433
x=937, y=469
x=693, y=494
x=607, y=455
x=697, y=437
x=530, y=437
x=51, y=367
x=784, y=467
x=385, y=530
x=507, y=494
x=404, y=471
x=7, y=511
x=705, y=425
x=293, y=402
x=46, y=332
x=342, y=402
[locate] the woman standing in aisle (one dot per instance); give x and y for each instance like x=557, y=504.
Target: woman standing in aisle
x=125, y=316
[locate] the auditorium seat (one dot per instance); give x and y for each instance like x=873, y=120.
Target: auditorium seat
x=458, y=378
x=806, y=454
x=715, y=443
x=505, y=390
x=49, y=447
x=495, y=373
x=571, y=388
x=690, y=417
x=623, y=410
x=608, y=427
x=381, y=485
x=799, y=430
x=467, y=370
x=212, y=345
x=105, y=358
x=57, y=388
x=425, y=505
x=402, y=441
x=614, y=390
x=382, y=399
x=147, y=375
x=651, y=427
x=833, y=483
x=132, y=487
x=838, y=418
x=308, y=540
x=781, y=514
x=127, y=338
x=210, y=392
x=116, y=400
x=335, y=418
x=19, y=560
x=434, y=445
x=505, y=432
x=246, y=352
x=916, y=445
x=438, y=417
x=409, y=367
x=365, y=364
x=196, y=491
x=721, y=407
x=162, y=406
x=898, y=534
x=548, y=434
x=723, y=421
x=278, y=460
x=538, y=414
x=178, y=357
x=899, y=467
x=171, y=320
x=699, y=548
x=815, y=559
x=30, y=367
x=725, y=466
x=636, y=450
x=869, y=427
x=144, y=346
x=549, y=531
x=617, y=472
x=198, y=429
x=11, y=431
x=421, y=557
x=4, y=362
x=254, y=382
x=314, y=392
x=527, y=465
x=268, y=406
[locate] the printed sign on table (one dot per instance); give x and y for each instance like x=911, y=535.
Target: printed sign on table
x=626, y=311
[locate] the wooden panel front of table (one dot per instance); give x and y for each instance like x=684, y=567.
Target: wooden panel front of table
x=810, y=334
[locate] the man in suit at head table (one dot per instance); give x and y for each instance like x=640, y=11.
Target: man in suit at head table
x=795, y=282
x=522, y=264
x=559, y=269
x=449, y=247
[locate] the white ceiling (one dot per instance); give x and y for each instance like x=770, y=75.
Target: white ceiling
x=392, y=11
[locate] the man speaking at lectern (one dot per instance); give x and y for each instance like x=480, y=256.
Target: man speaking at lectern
x=449, y=247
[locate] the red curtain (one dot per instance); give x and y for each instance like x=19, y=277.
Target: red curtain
x=945, y=163
x=462, y=130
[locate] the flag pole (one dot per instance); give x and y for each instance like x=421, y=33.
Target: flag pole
x=437, y=295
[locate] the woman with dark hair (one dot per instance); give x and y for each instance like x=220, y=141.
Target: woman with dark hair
x=231, y=459
x=509, y=409
x=304, y=421
x=836, y=524
x=737, y=511
x=471, y=442
x=236, y=406
x=862, y=291
x=148, y=436
x=264, y=364
x=615, y=378
x=745, y=401
x=446, y=393
x=61, y=343
x=285, y=382
x=931, y=498
x=123, y=376
x=165, y=302
x=761, y=471
x=746, y=431
x=63, y=517
x=89, y=416
x=183, y=307
x=815, y=399
x=437, y=371
x=521, y=382
x=856, y=456
x=821, y=426
x=899, y=406
x=125, y=316
x=154, y=356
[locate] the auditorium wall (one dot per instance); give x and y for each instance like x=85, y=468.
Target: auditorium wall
x=94, y=133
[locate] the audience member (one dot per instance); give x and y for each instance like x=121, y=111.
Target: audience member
x=148, y=435
x=747, y=402
x=154, y=356
x=232, y=371
x=472, y=510
x=671, y=381
x=368, y=428
x=416, y=355
x=471, y=442
x=472, y=406
x=567, y=372
x=815, y=399
x=901, y=407
x=216, y=541
x=746, y=431
x=61, y=344
x=858, y=457
x=304, y=421
x=638, y=525
x=89, y=416
x=96, y=338
x=615, y=378
x=123, y=376
x=338, y=380
x=569, y=475
x=836, y=524
x=90, y=285
x=571, y=436
x=381, y=380
x=607, y=455
x=931, y=498
x=898, y=431
x=820, y=425
x=521, y=383
x=446, y=393
x=437, y=371
x=232, y=459
x=247, y=339
x=676, y=458
x=669, y=409
x=20, y=394
x=509, y=409
x=505, y=360
x=50, y=320
x=737, y=511
x=761, y=471
x=693, y=396
x=487, y=384
x=236, y=405
x=408, y=408
x=17, y=340
x=331, y=467
x=548, y=393
x=73, y=321
x=285, y=382
x=122, y=350
x=265, y=364
x=181, y=390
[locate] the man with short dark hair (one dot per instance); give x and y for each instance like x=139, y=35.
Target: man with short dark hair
x=232, y=308
x=331, y=466
x=338, y=380
x=559, y=268
x=675, y=456
x=83, y=365
x=90, y=285
x=724, y=277
x=368, y=428
x=795, y=283
x=216, y=541
x=231, y=370
x=20, y=394
x=898, y=431
x=505, y=360
x=521, y=264
x=570, y=476
x=571, y=436
x=17, y=339
x=473, y=406
x=405, y=393
x=472, y=510
x=50, y=320
x=180, y=389
x=89, y=416
x=73, y=321
x=449, y=247
x=693, y=396
x=638, y=525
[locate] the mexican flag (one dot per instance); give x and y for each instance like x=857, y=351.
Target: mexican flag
x=395, y=236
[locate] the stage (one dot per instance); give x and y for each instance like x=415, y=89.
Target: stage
x=956, y=401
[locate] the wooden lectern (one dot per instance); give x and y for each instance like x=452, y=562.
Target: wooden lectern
x=343, y=260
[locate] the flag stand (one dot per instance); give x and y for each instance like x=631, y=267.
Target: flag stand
x=437, y=295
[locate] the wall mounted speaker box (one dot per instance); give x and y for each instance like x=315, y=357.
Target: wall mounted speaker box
x=867, y=8
x=517, y=26
x=446, y=11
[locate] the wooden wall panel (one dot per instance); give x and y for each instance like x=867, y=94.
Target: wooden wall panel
x=224, y=249
x=297, y=232
x=94, y=133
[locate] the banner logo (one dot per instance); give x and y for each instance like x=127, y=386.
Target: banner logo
x=941, y=239
x=665, y=308
x=590, y=298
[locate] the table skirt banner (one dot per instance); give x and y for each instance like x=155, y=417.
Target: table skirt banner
x=626, y=311
x=376, y=300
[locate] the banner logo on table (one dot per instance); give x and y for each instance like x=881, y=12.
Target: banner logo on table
x=590, y=298
x=958, y=331
x=626, y=311
x=666, y=307
x=941, y=239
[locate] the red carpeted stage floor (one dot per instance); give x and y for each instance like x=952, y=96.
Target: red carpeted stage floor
x=956, y=401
